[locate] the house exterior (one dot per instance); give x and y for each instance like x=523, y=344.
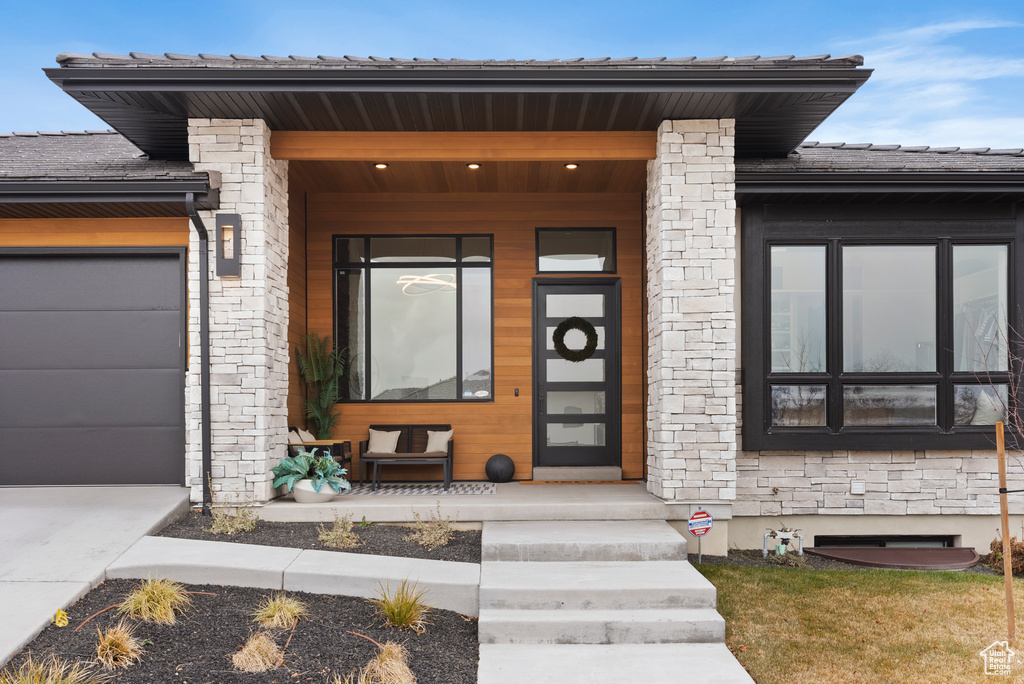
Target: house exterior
x=775, y=322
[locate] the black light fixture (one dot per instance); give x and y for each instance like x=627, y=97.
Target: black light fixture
x=381, y=165
x=229, y=245
x=571, y=165
x=473, y=165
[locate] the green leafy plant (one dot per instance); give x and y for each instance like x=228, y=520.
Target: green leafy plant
x=323, y=368
x=320, y=470
x=404, y=607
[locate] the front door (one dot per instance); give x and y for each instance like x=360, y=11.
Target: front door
x=577, y=413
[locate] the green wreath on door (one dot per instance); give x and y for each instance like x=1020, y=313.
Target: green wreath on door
x=585, y=327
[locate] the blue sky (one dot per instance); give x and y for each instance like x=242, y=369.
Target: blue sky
x=946, y=72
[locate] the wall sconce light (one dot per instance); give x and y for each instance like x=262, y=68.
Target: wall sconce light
x=473, y=165
x=571, y=165
x=229, y=245
x=381, y=165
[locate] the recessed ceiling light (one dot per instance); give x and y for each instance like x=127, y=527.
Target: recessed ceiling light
x=381, y=165
x=473, y=165
x=571, y=165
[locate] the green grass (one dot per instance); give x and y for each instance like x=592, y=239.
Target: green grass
x=799, y=626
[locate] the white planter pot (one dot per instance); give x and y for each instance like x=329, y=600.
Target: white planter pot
x=304, y=492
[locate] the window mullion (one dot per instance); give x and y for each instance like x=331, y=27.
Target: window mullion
x=944, y=333
x=834, y=334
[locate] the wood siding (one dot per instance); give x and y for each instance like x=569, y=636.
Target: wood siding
x=102, y=232
x=296, y=300
x=506, y=425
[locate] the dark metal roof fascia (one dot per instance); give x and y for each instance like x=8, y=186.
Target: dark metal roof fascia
x=420, y=80
x=868, y=182
x=99, y=192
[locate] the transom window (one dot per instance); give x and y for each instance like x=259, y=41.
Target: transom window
x=876, y=343
x=575, y=250
x=414, y=314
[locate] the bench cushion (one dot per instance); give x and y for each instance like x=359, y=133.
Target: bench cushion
x=382, y=442
x=407, y=455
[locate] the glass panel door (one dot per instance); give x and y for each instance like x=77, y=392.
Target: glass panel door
x=577, y=373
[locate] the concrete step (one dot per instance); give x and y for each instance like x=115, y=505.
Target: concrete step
x=574, y=540
x=577, y=473
x=594, y=585
x=610, y=664
x=647, y=626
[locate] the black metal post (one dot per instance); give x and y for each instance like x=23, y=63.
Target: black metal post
x=204, y=345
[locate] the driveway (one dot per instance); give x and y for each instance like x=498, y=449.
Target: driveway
x=56, y=544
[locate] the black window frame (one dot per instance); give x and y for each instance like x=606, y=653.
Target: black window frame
x=339, y=265
x=576, y=229
x=837, y=227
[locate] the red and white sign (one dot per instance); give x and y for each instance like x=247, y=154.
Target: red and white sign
x=700, y=523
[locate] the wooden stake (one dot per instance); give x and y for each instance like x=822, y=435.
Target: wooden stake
x=1005, y=512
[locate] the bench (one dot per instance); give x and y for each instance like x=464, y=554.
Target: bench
x=341, y=451
x=410, y=451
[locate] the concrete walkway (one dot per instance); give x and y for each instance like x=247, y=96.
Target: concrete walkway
x=57, y=543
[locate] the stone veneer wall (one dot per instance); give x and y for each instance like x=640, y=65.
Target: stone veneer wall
x=248, y=315
x=691, y=284
x=896, y=482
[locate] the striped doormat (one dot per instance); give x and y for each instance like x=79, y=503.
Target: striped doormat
x=431, y=489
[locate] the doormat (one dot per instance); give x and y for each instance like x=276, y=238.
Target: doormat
x=578, y=482
x=422, y=489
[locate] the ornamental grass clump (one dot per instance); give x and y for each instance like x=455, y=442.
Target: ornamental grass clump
x=156, y=600
x=404, y=608
x=259, y=654
x=432, y=533
x=53, y=670
x=117, y=647
x=995, y=558
x=389, y=666
x=339, y=535
x=280, y=610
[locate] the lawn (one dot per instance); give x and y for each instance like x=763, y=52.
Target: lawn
x=798, y=625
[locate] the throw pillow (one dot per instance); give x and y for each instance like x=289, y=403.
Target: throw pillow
x=382, y=442
x=437, y=441
x=293, y=437
x=306, y=436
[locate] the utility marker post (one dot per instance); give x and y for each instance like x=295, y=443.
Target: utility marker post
x=1005, y=513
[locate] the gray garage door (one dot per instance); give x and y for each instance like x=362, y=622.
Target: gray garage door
x=91, y=369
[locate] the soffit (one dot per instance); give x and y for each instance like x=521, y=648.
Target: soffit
x=777, y=102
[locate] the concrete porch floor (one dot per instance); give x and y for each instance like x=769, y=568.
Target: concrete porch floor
x=511, y=501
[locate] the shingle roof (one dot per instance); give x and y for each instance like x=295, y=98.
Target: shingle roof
x=82, y=156
x=167, y=59
x=867, y=158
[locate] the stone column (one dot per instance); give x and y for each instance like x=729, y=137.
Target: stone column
x=691, y=318
x=248, y=315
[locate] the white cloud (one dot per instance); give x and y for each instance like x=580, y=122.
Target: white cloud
x=931, y=86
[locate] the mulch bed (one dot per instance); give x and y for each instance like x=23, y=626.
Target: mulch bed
x=378, y=540
x=198, y=648
x=752, y=558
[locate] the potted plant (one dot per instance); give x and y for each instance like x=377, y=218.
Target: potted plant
x=323, y=368
x=305, y=475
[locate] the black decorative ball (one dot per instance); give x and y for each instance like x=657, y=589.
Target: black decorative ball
x=500, y=468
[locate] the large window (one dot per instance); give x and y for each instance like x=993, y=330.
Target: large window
x=875, y=335
x=414, y=316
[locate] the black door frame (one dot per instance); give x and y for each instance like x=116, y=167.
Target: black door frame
x=613, y=351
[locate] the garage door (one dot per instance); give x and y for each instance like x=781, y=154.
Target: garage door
x=91, y=369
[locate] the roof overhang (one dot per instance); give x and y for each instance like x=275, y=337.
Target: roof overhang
x=56, y=198
x=889, y=186
x=775, y=107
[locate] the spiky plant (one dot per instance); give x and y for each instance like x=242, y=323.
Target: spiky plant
x=53, y=670
x=117, y=647
x=323, y=368
x=156, y=600
x=279, y=610
x=404, y=607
